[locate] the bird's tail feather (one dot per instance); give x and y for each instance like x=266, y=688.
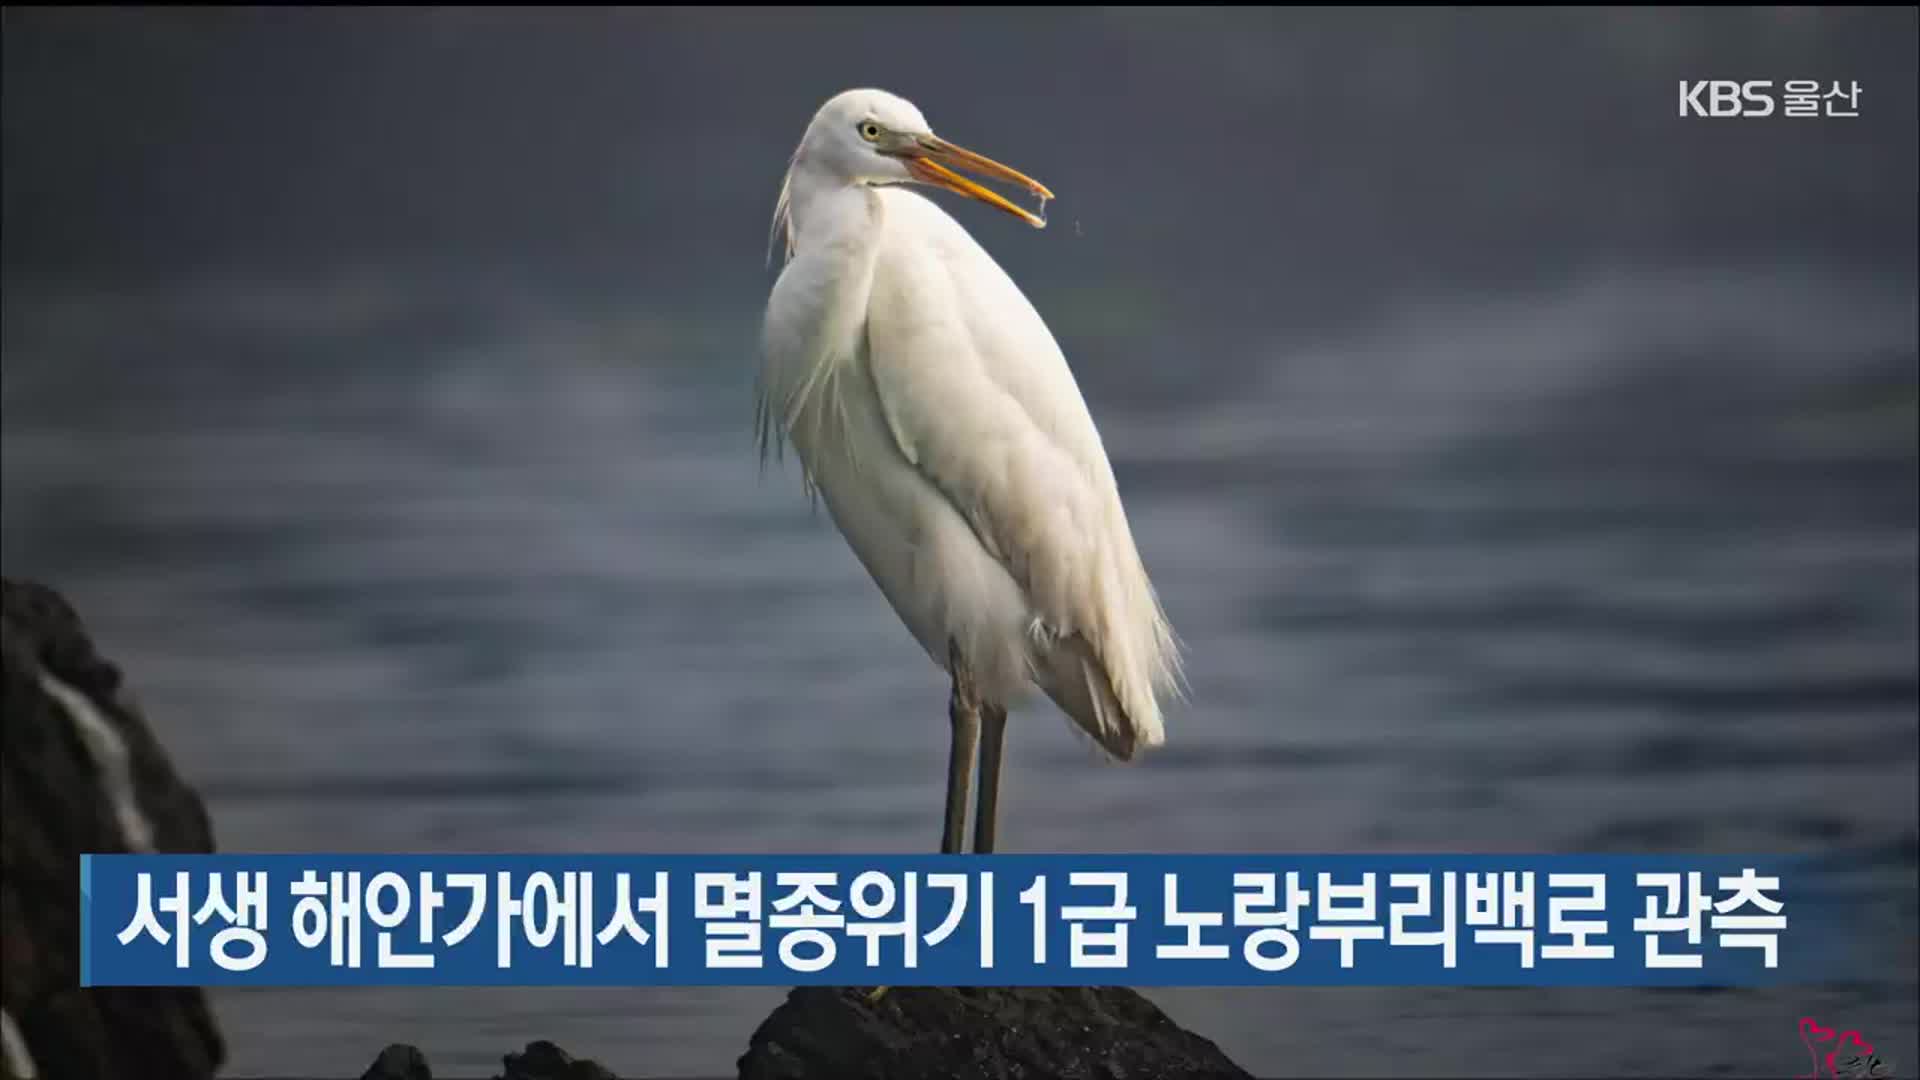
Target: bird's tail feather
x=1073, y=676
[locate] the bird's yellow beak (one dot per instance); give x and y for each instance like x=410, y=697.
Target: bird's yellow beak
x=933, y=160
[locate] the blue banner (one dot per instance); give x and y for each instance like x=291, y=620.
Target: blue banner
x=902, y=920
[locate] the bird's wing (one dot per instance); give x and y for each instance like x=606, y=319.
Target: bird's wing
x=981, y=400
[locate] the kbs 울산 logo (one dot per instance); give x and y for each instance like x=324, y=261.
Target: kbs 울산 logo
x=1839, y=1055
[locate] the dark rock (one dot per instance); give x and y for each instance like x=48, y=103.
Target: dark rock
x=541, y=1060
x=399, y=1062
x=60, y=797
x=1072, y=1033
x=544, y=1061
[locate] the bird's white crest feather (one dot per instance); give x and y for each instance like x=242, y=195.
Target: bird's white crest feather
x=780, y=233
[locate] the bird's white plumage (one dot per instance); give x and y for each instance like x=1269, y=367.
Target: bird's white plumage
x=937, y=418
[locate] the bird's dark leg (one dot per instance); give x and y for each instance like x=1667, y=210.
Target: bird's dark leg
x=993, y=738
x=963, y=709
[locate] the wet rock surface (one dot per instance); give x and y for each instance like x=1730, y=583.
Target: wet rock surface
x=80, y=771
x=1072, y=1033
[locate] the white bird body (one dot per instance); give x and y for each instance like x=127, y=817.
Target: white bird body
x=937, y=418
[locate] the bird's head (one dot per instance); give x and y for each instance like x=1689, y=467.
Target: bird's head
x=873, y=137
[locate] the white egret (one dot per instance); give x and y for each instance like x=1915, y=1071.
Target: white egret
x=934, y=414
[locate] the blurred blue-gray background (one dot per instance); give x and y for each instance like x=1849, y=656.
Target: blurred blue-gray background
x=1525, y=466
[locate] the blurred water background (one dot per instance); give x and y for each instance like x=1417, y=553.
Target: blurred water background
x=1525, y=466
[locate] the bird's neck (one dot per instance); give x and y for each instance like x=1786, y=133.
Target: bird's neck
x=829, y=212
x=834, y=229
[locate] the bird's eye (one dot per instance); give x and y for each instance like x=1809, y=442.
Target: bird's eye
x=870, y=131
